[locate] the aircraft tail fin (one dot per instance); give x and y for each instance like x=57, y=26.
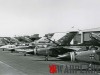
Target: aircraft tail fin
x=95, y=37
x=65, y=40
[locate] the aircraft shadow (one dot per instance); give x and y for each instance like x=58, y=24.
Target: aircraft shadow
x=45, y=60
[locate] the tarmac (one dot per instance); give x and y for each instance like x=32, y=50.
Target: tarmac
x=18, y=64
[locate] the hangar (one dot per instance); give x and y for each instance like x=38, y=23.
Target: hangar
x=84, y=35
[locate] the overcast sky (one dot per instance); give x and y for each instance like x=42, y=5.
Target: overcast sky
x=27, y=17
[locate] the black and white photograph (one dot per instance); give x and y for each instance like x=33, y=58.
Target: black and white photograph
x=49, y=37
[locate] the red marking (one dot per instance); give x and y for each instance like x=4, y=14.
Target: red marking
x=53, y=68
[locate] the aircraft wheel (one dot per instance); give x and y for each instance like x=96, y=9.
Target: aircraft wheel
x=11, y=51
x=90, y=66
x=24, y=54
x=46, y=58
x=3, y=50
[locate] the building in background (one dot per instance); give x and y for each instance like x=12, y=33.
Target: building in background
x=84, y=35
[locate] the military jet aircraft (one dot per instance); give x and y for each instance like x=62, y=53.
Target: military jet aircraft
x=8, y=47
x=42, y=42
x=92, y=55
x=58, y=46
x=25, y=49
x=17, y=48
x=46, y=45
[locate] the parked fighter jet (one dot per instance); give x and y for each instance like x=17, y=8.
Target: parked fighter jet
x=8, y=47
x=14, y=44
x=42, y=42
x=25, y=49
x=59, y=47
x=46, y=45
x=10, y=43
x=17, y=48
x=92, y=55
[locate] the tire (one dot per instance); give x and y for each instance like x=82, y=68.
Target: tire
x=3, y=50
x=24, y=54
x=46, y=58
